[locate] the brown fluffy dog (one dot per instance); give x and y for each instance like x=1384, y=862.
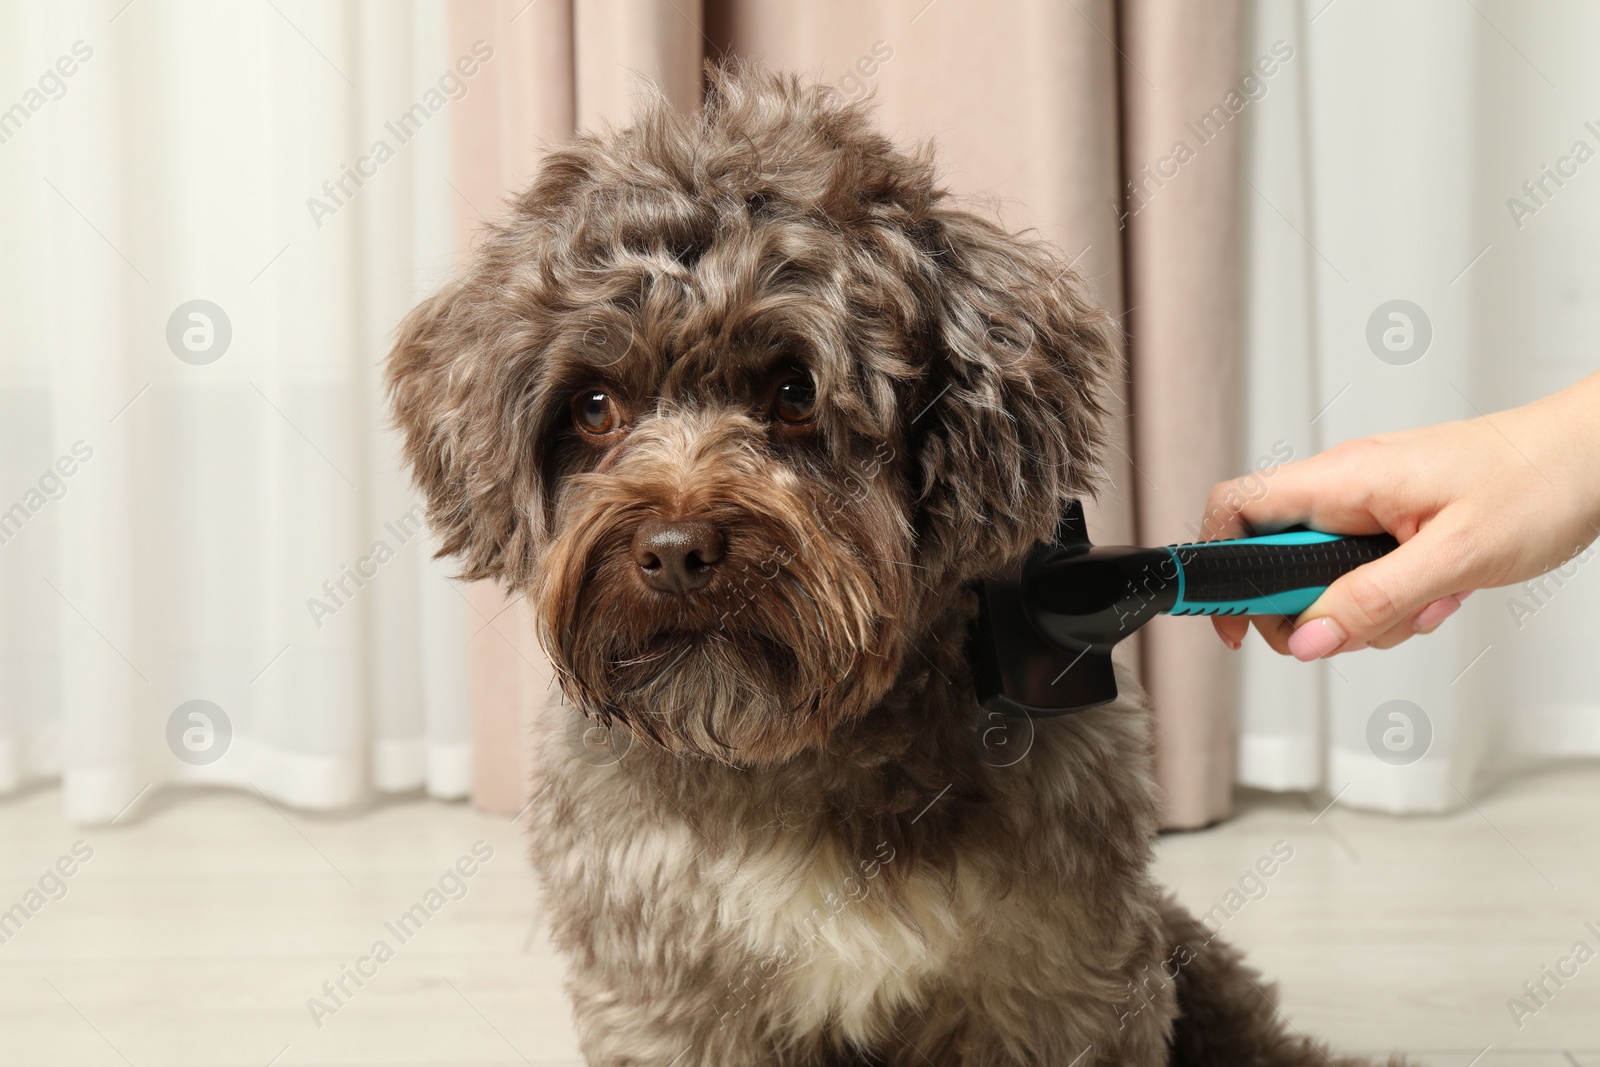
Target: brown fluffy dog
x=745, y=405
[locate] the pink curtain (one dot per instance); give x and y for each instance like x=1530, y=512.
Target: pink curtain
x=1036, y=109
x=1183, y=268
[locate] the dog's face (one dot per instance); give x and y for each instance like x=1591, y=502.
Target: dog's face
x=741, y=402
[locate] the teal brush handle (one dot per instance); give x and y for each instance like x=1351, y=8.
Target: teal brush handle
x=1279, y=574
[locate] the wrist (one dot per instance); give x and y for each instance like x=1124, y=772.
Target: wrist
x=1570, y=421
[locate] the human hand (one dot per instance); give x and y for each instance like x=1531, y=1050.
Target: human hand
x=1484, y=502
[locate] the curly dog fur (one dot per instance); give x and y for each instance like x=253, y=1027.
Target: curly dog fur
x=772, y=824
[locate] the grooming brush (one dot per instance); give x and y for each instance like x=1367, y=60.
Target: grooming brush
x=1042, y=642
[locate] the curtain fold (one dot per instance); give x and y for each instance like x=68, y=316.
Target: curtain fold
x=234, y=529
x=1184, y=88
x=498, y=138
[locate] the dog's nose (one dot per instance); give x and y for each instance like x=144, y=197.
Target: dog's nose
x=676, y=557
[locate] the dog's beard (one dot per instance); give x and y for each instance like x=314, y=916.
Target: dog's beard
x=797, y=632
x=733, y=697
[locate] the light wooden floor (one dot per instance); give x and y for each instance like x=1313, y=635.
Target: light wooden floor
x=196, y=934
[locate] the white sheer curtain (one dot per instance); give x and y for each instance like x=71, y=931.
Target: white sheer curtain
x=226, y=528
x=1382, y=169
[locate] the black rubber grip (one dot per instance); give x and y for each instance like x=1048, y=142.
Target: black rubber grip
x=1232, y=571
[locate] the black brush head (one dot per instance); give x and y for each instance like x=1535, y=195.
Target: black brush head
x=1017, y=669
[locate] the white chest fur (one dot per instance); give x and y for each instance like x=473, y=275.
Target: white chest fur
x=830, y=937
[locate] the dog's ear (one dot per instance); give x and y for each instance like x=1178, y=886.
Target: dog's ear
x=1014, y=420
x=453, y=398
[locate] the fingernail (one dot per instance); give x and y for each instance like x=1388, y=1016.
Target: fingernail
x=1230, y=642
x=1430, y=617
x=1316, y=639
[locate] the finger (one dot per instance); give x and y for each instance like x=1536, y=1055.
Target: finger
x=1275, y=630
x=1329, y=491
x=1425, y=621
x=1221, y=521
x=1237, y=507
x=1394, y=635
x=1431, y=617
x=1232, y=629
x=1365, y=604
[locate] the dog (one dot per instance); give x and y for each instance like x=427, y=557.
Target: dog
x=746, y=404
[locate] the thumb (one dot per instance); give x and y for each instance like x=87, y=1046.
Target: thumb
x=1371, y=599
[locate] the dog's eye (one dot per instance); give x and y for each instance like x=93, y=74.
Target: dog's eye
x=595, y=413
x=796, y=400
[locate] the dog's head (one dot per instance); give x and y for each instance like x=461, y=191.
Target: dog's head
x=741, y=401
